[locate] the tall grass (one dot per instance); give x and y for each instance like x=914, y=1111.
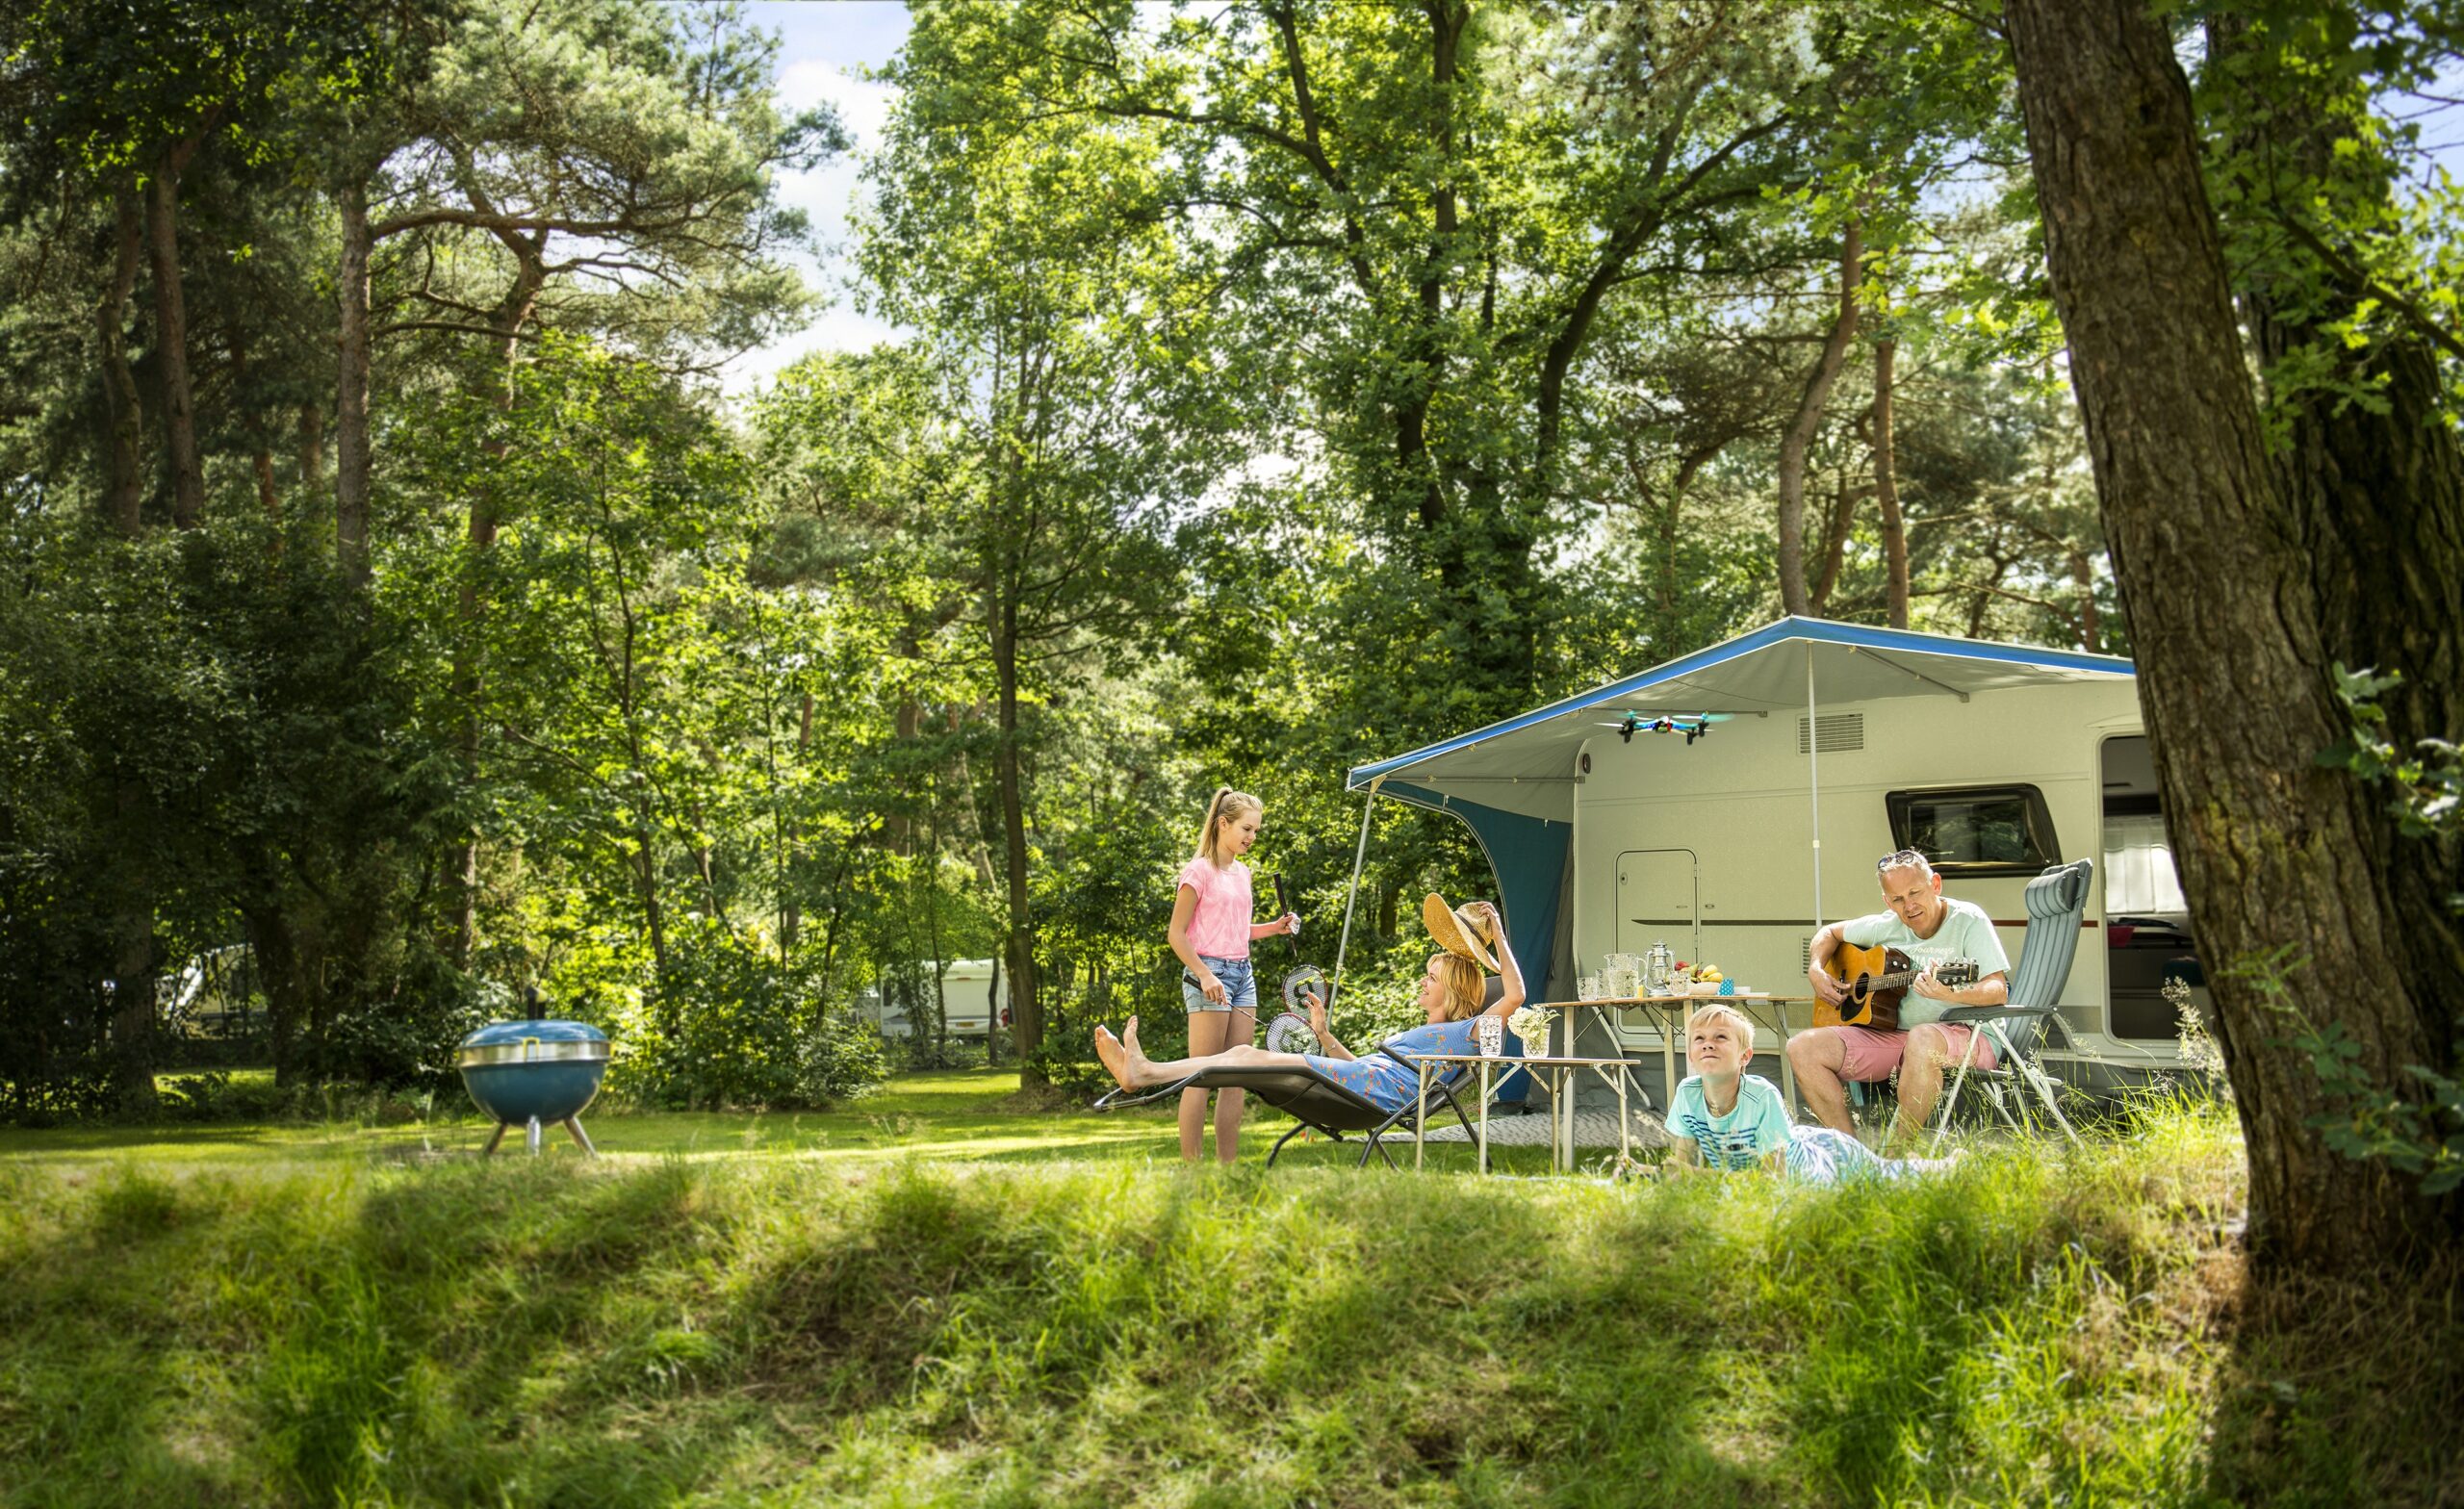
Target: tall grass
x=2048, y=1328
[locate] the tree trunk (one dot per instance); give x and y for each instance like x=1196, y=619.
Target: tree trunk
x=311, y=446
x=1026, y=1012
x=277, y=956
x=791, y=917
x=1794, y=596
x=2223, y=617
x=469, y=675
x=351, y=453
x=2378, y=492
x=2092, y=629
x=171, y=341
x=1835, y=542
x=123, y=495
x=133, y=991
x=252, y=420
x=1887, y=486
x=992, y=1016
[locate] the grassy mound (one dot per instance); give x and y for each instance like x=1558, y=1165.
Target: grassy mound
x=916, y=1332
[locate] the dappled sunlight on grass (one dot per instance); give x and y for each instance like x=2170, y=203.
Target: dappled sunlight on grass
x=963, y=1114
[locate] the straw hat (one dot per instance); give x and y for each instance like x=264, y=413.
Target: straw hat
x=1458, y=930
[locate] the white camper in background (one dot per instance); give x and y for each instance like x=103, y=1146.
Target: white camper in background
x=968, y=991
x=1619, y=819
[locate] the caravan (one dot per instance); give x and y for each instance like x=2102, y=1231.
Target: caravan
x=973, y=994
x=1729, y=803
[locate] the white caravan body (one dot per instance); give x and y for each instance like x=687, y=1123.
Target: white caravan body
x=967, y=993
x=1734, y=844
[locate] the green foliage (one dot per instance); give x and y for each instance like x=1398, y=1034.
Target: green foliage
x=2417, y=1128
x=2426, y=781
x=2336, y=209
x=741, y=1030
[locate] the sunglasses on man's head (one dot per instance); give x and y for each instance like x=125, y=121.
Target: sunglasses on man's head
x=1904, y=859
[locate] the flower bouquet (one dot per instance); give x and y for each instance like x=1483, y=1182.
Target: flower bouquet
x=1531, y=1025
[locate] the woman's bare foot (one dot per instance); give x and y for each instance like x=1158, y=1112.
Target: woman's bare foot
x=1114, y=1057
x=1129, y=1041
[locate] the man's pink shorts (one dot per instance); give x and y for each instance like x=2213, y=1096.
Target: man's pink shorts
x=1872, y=1056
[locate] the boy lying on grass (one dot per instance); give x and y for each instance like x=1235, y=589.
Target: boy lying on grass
x=1724, y=1118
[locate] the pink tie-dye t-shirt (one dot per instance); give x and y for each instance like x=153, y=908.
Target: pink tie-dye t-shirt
x=1220, y=927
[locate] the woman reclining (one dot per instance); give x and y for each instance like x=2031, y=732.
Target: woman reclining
x=1451, y=992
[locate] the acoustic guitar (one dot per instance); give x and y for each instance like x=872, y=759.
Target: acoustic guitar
x=1878, y=978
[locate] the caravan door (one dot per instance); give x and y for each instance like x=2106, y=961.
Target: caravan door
x=1658, y=901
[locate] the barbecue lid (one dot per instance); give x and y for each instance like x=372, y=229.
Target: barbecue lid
x=534, y=1040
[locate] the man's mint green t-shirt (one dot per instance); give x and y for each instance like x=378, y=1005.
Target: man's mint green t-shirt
x=1966, y=933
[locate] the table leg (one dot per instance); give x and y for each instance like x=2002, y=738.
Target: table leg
x=1484, y=1116
x=1625, y=1126
x=1669, y=1025
x=1556, y=1098
x=1787, y=1070
x=1420, y=1123
x=1561, y=1111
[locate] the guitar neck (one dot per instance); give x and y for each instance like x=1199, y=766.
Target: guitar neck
x=1908, y=977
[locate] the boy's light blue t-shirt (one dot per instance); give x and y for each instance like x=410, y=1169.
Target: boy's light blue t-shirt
x=1966, y=933
x=1755, y=1127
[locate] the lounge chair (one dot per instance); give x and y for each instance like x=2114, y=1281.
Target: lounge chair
x=2056, y=901
x=1320, y=1103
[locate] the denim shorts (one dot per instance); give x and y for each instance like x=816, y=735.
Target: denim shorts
x=1240, y=986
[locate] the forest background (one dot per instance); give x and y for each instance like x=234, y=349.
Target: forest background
x=398, y=591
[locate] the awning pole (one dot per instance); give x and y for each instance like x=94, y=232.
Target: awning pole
x=1814, y=781
x=1352, y=894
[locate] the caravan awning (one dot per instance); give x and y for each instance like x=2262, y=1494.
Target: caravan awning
x=1526, y=765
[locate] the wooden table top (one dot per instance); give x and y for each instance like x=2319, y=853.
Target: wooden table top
x=1754, y=997
x=1527, y=1061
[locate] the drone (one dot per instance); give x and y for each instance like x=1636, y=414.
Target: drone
x=1692, y=726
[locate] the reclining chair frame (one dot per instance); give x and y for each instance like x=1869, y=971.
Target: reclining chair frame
x=2041, y=986
x=1366, y=1117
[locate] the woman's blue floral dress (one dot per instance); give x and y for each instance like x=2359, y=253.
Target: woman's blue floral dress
x=1386, y=1084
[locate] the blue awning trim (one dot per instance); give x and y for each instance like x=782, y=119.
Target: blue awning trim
x=1529, y=857
x=1785, y=630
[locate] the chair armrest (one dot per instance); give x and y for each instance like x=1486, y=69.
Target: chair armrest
x=1445, y=1077
x=1994, y=1013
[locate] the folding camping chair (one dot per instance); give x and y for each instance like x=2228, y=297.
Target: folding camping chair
x=1320, y=1103
x=2056, y=901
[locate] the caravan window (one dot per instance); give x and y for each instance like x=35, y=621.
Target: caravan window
x=1976, y=830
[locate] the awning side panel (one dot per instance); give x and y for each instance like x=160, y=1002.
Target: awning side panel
x=1528, y=856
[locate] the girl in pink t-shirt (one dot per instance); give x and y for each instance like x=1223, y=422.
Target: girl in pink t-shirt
x=1210, y=931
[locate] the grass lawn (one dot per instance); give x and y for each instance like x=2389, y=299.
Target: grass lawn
x=964, y=1114
x=931, y=1300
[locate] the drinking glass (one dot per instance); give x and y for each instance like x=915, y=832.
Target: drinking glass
x=1492, y=1035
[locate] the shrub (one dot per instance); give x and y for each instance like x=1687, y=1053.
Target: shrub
x=842, y=1060
x=920, y=1054
x=748, y=1031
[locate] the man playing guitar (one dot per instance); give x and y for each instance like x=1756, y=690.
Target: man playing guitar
x=1930, y=928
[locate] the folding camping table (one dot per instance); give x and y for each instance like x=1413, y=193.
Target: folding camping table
x=1557, y=1074
x=1669, y=1012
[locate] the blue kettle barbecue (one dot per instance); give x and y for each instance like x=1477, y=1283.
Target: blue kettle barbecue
x=534, y=1072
